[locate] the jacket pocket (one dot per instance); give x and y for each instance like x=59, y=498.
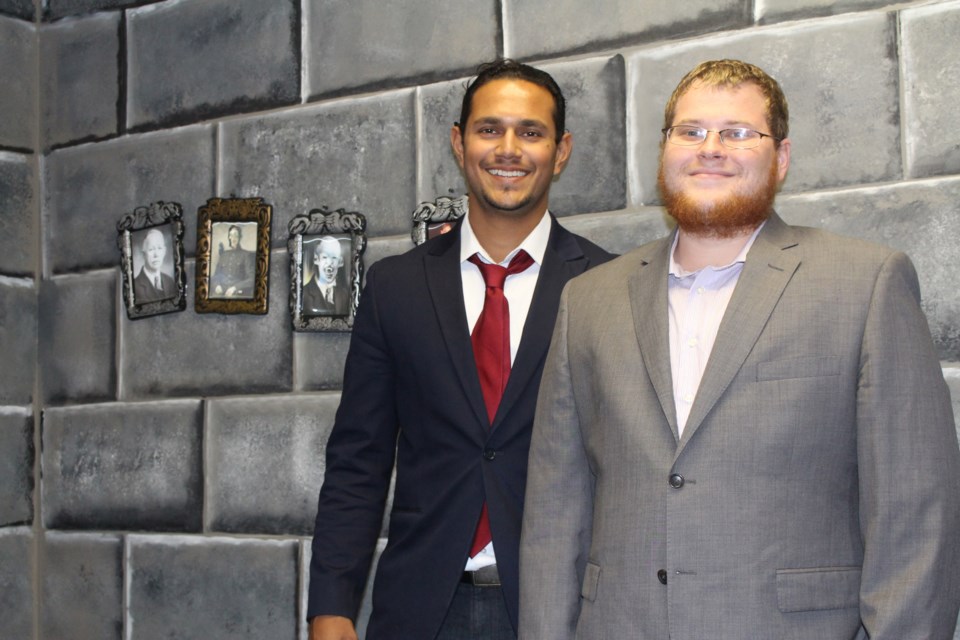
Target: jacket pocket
x=818, y=589
x=811, y=367
x=591, y=582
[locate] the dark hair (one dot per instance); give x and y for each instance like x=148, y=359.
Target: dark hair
x=507, y=69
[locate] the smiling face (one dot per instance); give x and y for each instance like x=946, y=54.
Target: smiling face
x=508, y=150
x=154, y=250
x=328, y=258
x=712, y=190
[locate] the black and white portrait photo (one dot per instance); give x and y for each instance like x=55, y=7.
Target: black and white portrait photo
x=233, y=260
x=326, y=291
x=150, y=239
x=326, y=268
x=153, y=265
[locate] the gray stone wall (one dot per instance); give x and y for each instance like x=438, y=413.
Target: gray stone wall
x=158, y=477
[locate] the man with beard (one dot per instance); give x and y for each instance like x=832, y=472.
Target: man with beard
x=743, y=429
x=322, y=296
x=152, y=284
x=441, y=380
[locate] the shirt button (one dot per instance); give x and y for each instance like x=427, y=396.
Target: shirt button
x=692, y=342
x=676, y=481
x=700, y=290
x=662, y=576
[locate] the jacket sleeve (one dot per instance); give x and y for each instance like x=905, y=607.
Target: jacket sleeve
x=909, y=469
x=359, y=460
x=557, y=521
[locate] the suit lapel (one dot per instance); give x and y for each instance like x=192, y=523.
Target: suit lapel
x=442, y=268
x=647, y=286
x=562, y=260
x=766, y=273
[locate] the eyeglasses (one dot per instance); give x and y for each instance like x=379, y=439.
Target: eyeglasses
x=739, y=138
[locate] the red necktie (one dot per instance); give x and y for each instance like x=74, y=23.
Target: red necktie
x=491, y=350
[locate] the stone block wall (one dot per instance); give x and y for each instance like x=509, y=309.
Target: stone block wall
x=158, y=477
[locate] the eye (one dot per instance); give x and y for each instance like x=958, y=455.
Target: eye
x=740, y=134
x=690, y=133
x=532, y=133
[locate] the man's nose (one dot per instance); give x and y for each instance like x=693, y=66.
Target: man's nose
x=509, y=144
x=712, y=146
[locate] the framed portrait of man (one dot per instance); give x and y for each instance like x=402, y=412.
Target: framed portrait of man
x=326, y=269
x=151, y=260
x=233, y=256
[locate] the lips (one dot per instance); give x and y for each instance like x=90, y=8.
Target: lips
x=707, y=173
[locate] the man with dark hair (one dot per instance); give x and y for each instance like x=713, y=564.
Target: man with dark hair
x=152, y=284
x=743, y=429
x=441, y=379
x=507, y=69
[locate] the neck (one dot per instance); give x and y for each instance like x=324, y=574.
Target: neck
x=694, y=252
x=501, y=234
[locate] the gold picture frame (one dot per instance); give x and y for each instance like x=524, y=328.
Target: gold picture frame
x=233, y=256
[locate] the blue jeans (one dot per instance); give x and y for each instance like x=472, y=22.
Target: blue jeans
x=477, y=613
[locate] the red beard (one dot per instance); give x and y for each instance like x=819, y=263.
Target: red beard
x=734, y=216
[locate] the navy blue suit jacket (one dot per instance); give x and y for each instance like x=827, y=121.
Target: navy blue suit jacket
x=411, y=395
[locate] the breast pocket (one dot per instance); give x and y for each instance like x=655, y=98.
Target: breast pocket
x=808, y=367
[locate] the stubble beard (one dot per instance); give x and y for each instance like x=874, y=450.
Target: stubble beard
x=733, y=216
x=505, y=207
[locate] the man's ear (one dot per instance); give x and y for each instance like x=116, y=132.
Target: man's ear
x=783, y=158
x=456, y=142
x=564, y=149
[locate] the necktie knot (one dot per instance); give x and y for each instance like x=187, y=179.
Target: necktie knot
x=494, y=275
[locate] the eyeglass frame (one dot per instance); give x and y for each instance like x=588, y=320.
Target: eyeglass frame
x=719, y=132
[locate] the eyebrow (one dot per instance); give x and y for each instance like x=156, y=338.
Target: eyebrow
x=525, y=122
x=727, y=124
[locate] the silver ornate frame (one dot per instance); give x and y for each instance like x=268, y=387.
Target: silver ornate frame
x=156, y=214
x=325, y=222
x=429, y=217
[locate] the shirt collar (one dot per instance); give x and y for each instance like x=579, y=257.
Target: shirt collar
x=677, y=271
x=534, y=244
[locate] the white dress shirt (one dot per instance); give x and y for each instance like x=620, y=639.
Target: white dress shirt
x=696, y=304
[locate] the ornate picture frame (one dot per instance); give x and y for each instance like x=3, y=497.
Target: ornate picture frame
x=435, y=218
x=233, y=256
x=150, y=240
x=326, y=268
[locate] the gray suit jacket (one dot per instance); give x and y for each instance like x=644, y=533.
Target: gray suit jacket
x=814, y=493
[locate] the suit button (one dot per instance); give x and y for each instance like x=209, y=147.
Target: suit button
x=662, y=576
x=489, y=454
x=676, y=480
